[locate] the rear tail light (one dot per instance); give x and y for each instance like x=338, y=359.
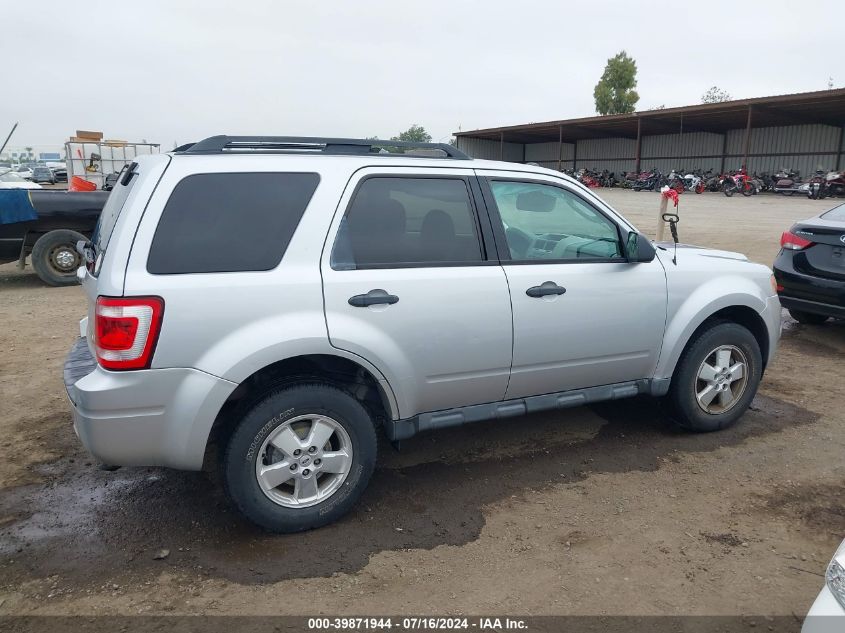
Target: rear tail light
x=793, y=242
x=126, y=331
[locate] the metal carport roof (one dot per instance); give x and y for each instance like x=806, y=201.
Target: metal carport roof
x=826, y=106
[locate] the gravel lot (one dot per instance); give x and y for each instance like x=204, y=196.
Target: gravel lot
x=599, y=510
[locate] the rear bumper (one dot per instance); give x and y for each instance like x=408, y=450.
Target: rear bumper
x=813, y=307
x=152, y=417
x=817, y=295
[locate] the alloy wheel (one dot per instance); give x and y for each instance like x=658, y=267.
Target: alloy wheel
x=721, y=379
x=304, y=461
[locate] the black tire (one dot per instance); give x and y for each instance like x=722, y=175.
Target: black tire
x=278, y=407
x=728, y=189
x=683, y=404
x=55, y=259
x=807, y=318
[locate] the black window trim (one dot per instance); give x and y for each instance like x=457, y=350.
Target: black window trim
x=230, y=173
x=504, y=253
x=483, y=227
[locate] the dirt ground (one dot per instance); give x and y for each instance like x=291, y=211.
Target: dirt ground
x=600, y=510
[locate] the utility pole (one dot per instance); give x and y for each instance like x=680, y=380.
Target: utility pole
x=6, y=142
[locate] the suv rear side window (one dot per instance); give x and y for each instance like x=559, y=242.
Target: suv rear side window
x=216, y=223
x=398, y=222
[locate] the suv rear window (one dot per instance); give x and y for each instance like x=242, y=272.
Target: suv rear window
x=229, y=222
x=111, y=210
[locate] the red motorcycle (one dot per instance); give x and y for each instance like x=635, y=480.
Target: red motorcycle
x=738, y=181
x=590, y=180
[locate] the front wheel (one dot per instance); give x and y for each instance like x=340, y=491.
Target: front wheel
x=300, y=458
x=728, y=189
x=716, y=378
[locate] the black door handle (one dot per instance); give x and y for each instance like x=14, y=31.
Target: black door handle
x=545, y=288
x=374, y=297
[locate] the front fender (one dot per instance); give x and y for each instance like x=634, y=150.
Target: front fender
x=697, y=307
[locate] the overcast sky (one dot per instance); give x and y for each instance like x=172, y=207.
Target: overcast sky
x=182, y=70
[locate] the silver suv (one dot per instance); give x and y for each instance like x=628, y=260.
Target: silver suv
x=289, y=299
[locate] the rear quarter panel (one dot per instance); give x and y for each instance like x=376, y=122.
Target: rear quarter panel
x=233, y=324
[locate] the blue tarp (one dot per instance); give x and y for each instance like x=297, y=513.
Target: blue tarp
x=16, y=206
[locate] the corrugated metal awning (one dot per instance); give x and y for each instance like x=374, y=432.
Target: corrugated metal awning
x=826, y=106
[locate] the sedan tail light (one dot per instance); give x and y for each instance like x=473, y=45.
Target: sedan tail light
x=126, y=331
x=793, y=242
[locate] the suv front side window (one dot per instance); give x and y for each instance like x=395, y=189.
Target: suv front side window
x=545, y=222
x=393, y=222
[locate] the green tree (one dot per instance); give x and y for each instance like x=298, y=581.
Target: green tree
x=614, y=93
x=715, y=95
x=415, y=133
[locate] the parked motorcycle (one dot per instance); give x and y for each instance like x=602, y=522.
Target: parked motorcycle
x=787, y=182
x=713, y=182
x=816, y=185
x=676, y=181
x=649, y=181
x=588, y=178
x=694, y=181
x=607, y=179
x=738, y=181
x=835, y=183
x=627, y=180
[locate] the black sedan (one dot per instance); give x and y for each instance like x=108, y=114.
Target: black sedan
x=810, y=268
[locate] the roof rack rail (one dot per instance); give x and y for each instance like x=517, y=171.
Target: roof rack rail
x=310, y=144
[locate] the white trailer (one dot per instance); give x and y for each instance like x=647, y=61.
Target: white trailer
x=94, y=160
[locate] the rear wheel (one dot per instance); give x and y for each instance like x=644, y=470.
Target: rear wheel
x=728, y=189
x=716, y=378
x=807, y=318
x=55, y=258
x=300, y=458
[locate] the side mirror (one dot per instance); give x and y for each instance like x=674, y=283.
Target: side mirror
x=638, y=249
